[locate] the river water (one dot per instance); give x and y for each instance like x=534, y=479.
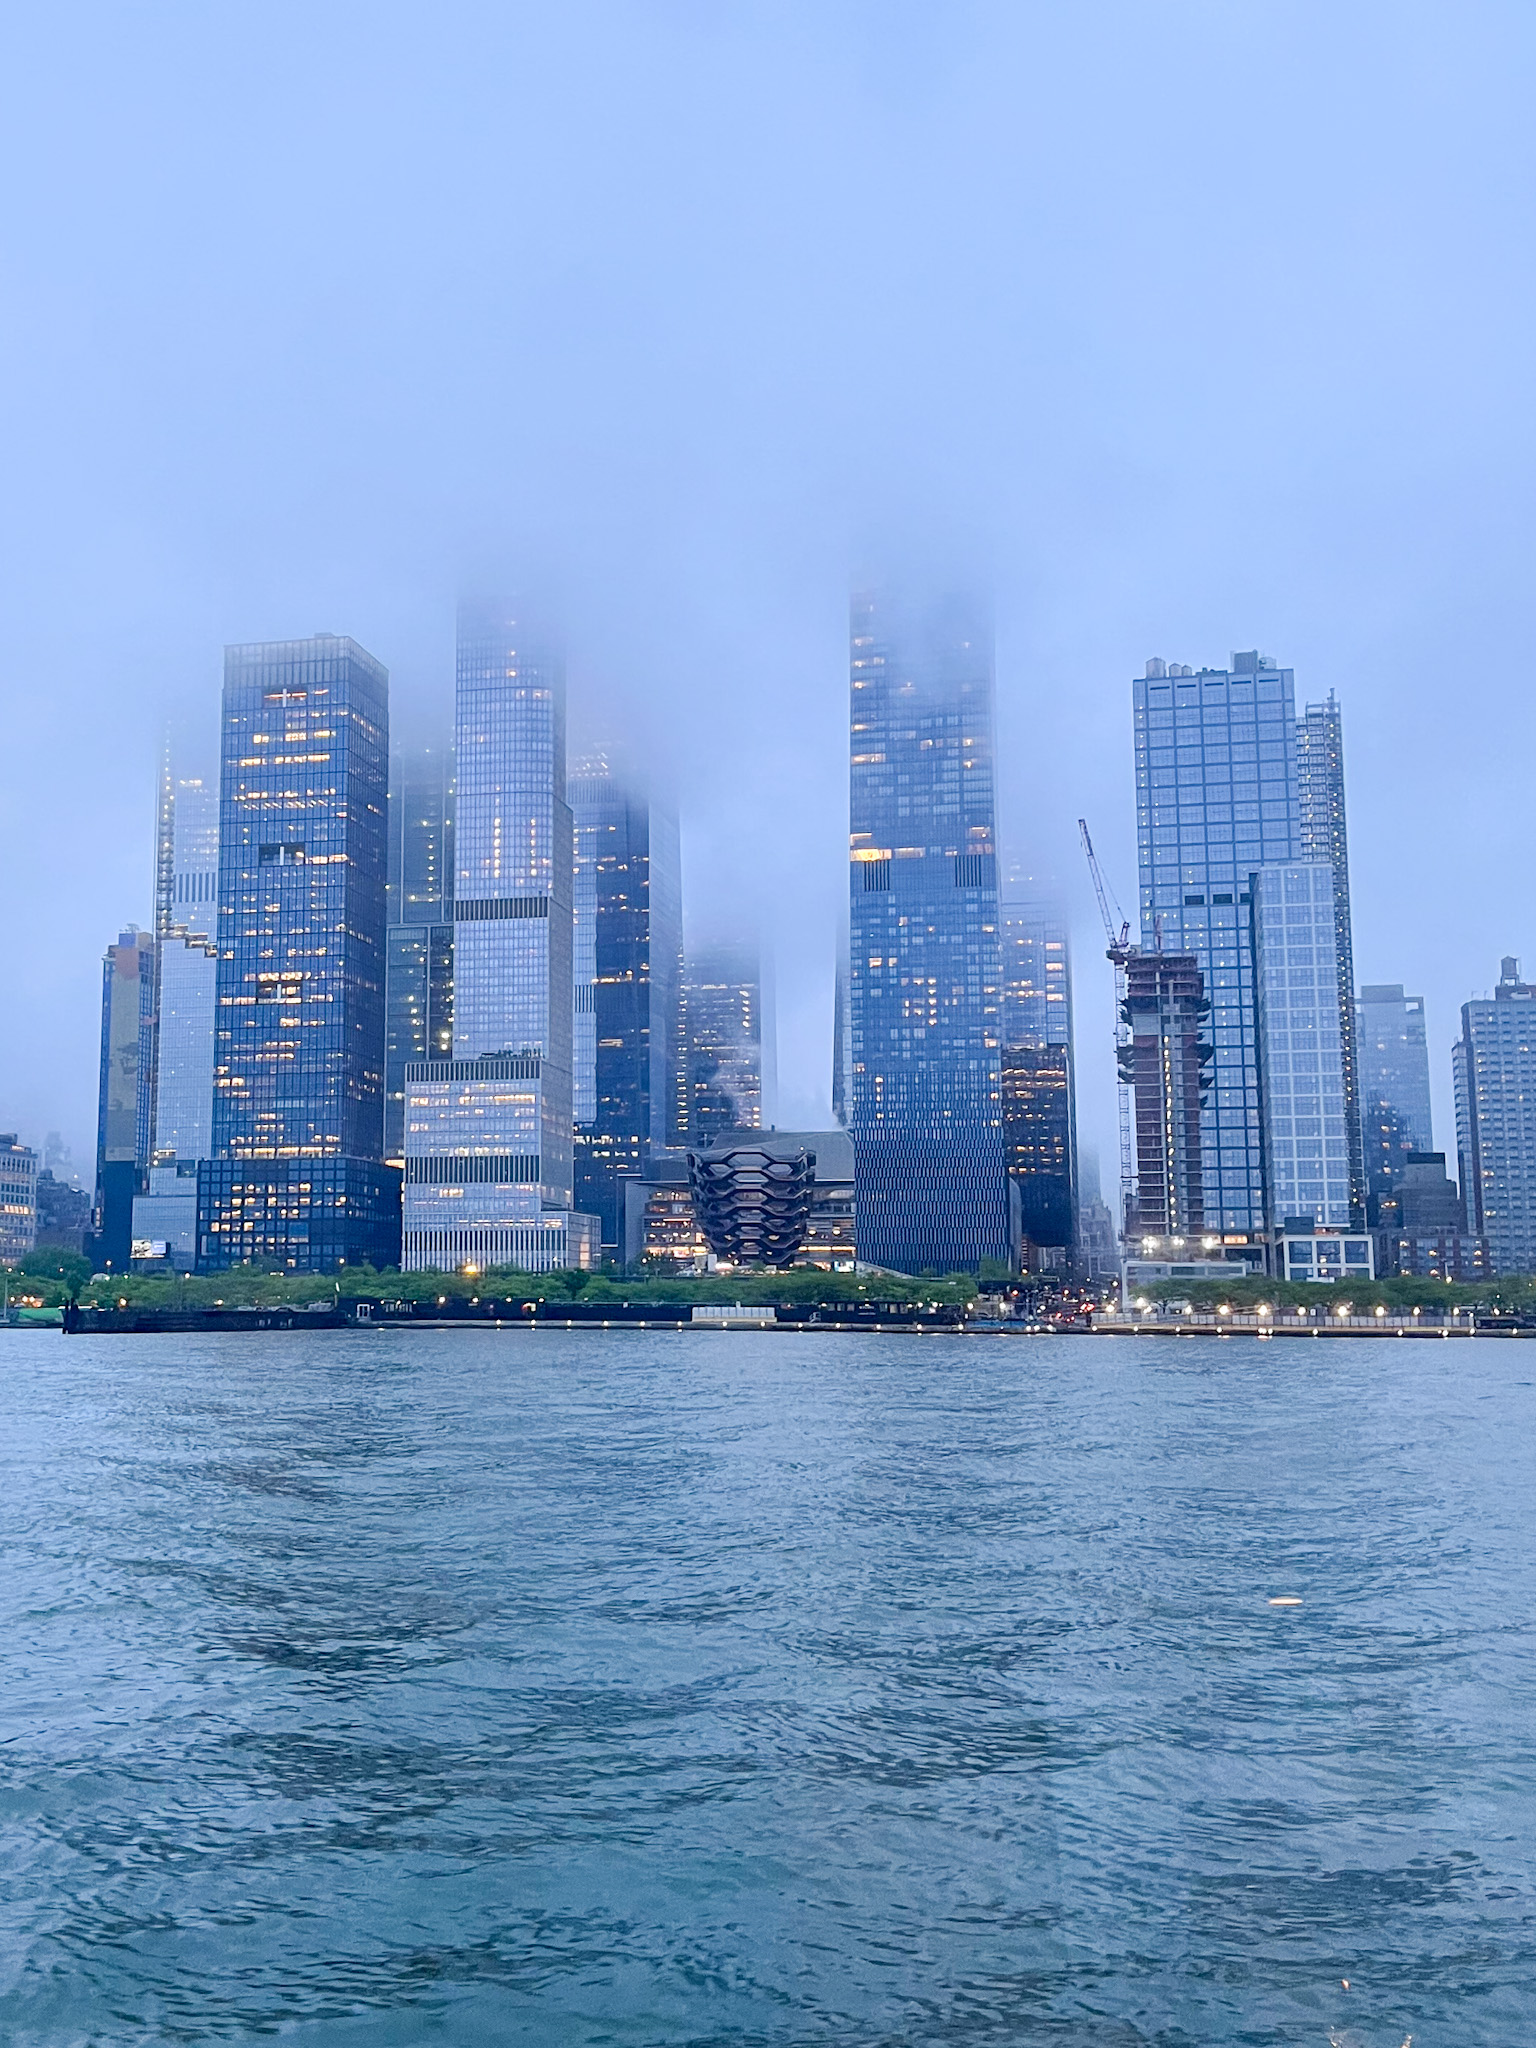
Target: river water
x=538, y=1687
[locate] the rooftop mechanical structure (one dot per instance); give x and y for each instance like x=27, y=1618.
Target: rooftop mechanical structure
x=753, y=1205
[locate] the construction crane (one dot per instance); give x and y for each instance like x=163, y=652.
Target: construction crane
x=1119, y=950
x=1119, y=946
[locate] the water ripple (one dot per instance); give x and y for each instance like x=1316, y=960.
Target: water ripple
x=874, y=1691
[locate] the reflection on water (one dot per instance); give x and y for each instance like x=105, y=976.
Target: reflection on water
x=476, y=1687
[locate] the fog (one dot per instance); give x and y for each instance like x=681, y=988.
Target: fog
x=1186, y=328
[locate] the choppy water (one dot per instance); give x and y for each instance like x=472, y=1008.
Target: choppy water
x=532, y=1687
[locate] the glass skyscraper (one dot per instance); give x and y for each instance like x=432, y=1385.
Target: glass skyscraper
x=296, y=1173
x=1325, y=836
x=418, y=972
x=925, y=967
x=1394, y=1058
x=724, y=1028
x=1217, y=798
x=1038, y=1077
x=628, y=963
x=488, y=1165
x=1309, y=1160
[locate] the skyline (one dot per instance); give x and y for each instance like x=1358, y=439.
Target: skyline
x=1176, y=350
x=1058, y=883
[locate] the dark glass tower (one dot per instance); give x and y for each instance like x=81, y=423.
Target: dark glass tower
x=724, y=1028
x=418, y=974
x=296, y=1177
x=629, y=956
x=925, y=967
x=1039, y=1091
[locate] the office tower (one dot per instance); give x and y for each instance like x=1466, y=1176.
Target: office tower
x=18, y=1199
x=1494, y=1067
x=488, y=1166
x=925, y=965
x=1038, y=1145
x=1303, y=1087
x=1394, y=1059
x=418, y=967
x=1324, y=837
x=296, y=1176
x=125, y=1118
x=723, y=1028
x=1038, y=1079
x=842, y=1036
x=628, y=967
x=1217, y=797
x=1167, y=1064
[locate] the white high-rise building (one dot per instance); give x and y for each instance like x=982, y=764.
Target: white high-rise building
x=488, y=1132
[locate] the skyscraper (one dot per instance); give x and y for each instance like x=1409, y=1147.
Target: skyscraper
x=628, y=955
x=1394, y=1058
x=925, y=966
x=724, y=1034
x=842, y=1035
x=488, y=1166
x=418, y=973
x=1325, y=837
x=1302, y=1083
x=1494, y=1068
x=186, y=919
x=1217, y=798
x=1039, y=1091
x=125, y=1119
x=296, y=1174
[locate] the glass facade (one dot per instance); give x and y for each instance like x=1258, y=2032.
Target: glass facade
x=925, y=965
x=189, y=972
x=418, y=1015
x=723, y=1025
x=418, y=964
x=1394, y=1059
x=299, y=1050
x=1301, y=1056
x=628, y=961
x=1038, y=1079
x=1494, y=1066
x=502, y=1197
x=1039, y=1141
x=1217, y=798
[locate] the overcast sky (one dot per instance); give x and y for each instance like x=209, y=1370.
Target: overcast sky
x=1192, y=327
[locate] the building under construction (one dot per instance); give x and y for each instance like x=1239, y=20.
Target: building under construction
x=1165, y=1060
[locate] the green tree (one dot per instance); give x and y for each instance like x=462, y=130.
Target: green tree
x=52, y=1262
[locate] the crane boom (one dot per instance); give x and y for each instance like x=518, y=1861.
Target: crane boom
x=1119, y=944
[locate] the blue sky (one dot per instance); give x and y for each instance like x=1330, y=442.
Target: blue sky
x=1191, y=327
